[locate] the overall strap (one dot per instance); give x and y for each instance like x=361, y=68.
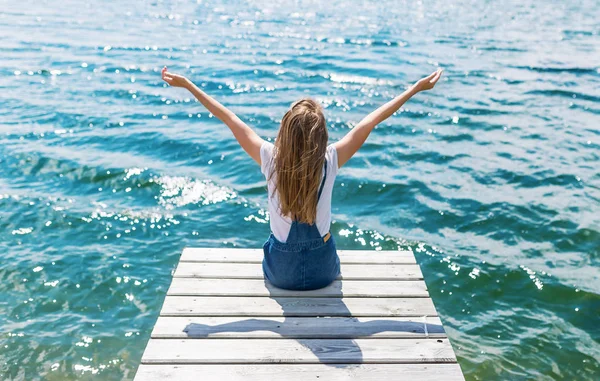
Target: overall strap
x=322, y=182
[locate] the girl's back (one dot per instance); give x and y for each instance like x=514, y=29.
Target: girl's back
x=300, y=169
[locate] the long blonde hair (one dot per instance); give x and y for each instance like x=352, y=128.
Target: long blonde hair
x=298, y=160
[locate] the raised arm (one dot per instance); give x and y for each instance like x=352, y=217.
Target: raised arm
x=248, y=139
x=349, y=144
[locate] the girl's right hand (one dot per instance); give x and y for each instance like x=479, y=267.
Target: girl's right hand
x=173, y=79
x=429, y=82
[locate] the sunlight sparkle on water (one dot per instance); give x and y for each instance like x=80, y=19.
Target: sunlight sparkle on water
x=180, y=191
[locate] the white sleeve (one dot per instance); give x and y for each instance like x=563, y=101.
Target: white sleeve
x=332, y=161
x=266, y=156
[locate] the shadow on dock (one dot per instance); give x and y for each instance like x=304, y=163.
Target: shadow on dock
x=342, y=337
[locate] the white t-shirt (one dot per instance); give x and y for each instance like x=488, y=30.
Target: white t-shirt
x=280, y=225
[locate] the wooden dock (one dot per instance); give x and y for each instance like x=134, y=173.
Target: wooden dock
x=221, y=321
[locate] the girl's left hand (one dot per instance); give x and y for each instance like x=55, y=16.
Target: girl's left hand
x=429, y=82
x=173, y=79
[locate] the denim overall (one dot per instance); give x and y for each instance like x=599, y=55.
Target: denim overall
x=305, y=261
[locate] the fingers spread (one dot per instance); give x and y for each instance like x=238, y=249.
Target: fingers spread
x=430, y=76
x=437, y=76
x=168, y=79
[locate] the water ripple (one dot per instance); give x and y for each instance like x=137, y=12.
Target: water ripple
x=492, y=180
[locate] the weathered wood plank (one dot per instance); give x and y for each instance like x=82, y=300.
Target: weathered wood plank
x=307, y=351
x=254, y=271
x=192, y=254
x=281, y=306
x=222, y=321
x=256, y=287
x=300, y=372
x=296, y=327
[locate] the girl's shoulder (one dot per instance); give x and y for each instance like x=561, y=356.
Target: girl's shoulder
x=267, y=146
x=332, y=159
x=331, y=150
x=266, y=157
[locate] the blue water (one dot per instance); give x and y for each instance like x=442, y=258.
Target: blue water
x=492, y=179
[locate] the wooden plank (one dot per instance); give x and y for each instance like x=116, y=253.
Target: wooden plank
x=307, y=351
x=295, y=327
x=255, y=287
x=262, y=306
x=222, y=321
x=230, y=255
x=254, y=271
x=300, y=372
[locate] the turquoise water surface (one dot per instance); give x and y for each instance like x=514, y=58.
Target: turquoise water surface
x=492, y=179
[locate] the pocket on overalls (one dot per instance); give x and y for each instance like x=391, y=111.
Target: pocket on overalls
x=283, y=268
x=322, y=265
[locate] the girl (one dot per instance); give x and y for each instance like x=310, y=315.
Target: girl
x=300, y=169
